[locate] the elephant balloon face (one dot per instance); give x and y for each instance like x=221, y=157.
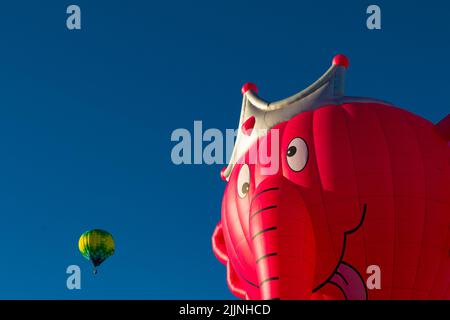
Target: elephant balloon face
x=343, y=188
x=282, y=198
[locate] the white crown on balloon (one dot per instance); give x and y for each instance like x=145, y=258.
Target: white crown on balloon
x=258, y=115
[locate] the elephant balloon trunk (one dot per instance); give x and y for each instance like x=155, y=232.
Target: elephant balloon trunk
x=282, y=240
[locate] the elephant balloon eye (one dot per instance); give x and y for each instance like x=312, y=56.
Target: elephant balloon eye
x=245, y=188
x=291, y=151
x=297, y=154
x=243, y=181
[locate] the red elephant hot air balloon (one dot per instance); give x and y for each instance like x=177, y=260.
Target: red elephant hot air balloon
x=356, y=190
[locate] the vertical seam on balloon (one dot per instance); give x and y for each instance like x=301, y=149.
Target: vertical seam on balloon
x=86, y=244
x=248, y=212
x=374, y=111
x=364, y=211
x=233, y=247
x=361, y=203
x=235, y=244
x=444, y=257
x=419, y=145
x=91, y=251
x=320, y=180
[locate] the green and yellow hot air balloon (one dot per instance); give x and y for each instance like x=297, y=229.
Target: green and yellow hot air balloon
x=96, y=246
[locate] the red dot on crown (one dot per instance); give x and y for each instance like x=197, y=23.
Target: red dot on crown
x=249, y=86
x=248, y=125
x=341, y=60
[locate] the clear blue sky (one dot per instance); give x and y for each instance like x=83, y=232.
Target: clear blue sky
x=86, y=118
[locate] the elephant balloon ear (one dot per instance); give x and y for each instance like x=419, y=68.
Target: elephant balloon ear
x=258, y=115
